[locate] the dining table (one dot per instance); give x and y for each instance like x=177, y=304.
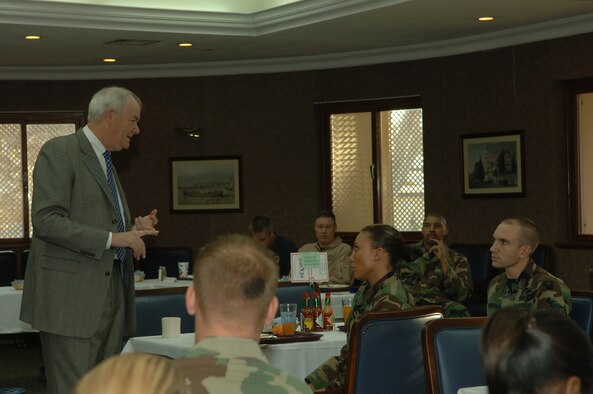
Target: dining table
x=297, y=358
x=11, y=298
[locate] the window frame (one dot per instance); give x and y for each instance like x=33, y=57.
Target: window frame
x=572, y=89
x=24, y=118
x=323, y=111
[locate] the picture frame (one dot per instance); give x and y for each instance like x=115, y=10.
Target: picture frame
x=492, y=164
x=206, y=184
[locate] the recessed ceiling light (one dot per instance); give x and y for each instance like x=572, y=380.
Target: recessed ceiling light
x=185, y=44
x=109, y=60
x=485, y=18
x=32, y=37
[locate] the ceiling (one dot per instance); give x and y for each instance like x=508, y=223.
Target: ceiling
x=255, y=36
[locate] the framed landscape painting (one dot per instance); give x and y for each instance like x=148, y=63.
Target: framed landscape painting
x=206, y=184
x=493, y=164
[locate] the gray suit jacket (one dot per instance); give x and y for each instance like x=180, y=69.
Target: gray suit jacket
x=68, y=270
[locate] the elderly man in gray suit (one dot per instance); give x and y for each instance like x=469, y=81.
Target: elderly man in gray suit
x=79, y=290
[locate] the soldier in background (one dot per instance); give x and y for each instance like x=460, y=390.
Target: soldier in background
x=338, y=252
x=434, y=273
x=523, y=282
x=262, y=230
x=232, y=297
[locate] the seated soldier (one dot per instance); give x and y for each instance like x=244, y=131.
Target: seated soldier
x=523, y=282
x=435, y=274
x=262, y=230
x=338, y=252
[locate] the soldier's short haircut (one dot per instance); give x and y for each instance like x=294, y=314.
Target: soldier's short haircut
x=528, y=233
x=386, y=237
x=235, y=278
x=436, y=215
x=261, y=223
x=326, y=214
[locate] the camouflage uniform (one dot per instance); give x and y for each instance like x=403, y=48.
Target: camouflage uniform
x=388, y=294
x=421, y=273
x=534, y=289
x=338, y=254
x=234, y=365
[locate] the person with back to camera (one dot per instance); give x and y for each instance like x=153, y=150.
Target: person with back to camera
x=523, y=282
x=434, y=273
x=262, y=230
x=377, y=249
x=232, y=297
x=541, y=352
x=133, y=373
x=80, y=274
x=338, y=252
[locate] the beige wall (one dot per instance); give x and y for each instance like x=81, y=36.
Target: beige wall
x=269, y=120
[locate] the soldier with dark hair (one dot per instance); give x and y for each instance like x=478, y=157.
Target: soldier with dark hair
x=523, y=282
x=262, y=230
x=434, y=273
x=377, y=249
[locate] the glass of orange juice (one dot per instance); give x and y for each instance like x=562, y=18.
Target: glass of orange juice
x=288, y=317
x=346, y=308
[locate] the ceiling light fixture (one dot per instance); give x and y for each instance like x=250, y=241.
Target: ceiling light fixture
x=485, y=18
x=185, y=44
x=109, y=60
x=32, y=37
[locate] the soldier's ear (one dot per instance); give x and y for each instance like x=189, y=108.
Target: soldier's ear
x=190, y=301
x=271, y=313
x=525, y=251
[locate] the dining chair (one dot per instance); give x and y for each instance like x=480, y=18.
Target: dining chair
x=294, y=294
x=582, y=310
x=478, y=257
x=451, y=351
x=8, y=261
x=151, y=308
x=385, y=352
x=167, y=257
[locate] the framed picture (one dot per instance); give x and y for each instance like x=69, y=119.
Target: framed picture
x=206, y=184
x=493, y=164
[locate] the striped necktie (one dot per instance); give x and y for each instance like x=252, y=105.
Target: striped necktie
x=120, y=252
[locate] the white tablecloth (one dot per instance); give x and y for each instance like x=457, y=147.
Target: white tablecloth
x=10, y=304
x=149, y=284
x=299, y=358
x=10, y=308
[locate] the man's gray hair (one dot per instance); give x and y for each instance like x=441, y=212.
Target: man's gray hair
x=110, y=97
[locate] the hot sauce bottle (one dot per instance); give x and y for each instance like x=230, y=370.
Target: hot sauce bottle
x=328, y=313
x=307, y=314
x=317, y=313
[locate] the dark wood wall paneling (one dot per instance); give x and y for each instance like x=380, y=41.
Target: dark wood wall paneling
x=269, y=120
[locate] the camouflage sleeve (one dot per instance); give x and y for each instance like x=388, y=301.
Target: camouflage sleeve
x=494, y=297
x=553, y=294
x=393, y=298
x=327, y=375
x=457, y=282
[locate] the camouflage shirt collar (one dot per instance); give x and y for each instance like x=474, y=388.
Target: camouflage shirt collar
x=527, y=273
x=227, y=347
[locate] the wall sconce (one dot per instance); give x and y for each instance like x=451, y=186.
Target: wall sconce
x=191, y=132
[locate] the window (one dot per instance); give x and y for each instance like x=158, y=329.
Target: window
x=373, y=162
x=579, y=116
x=21, y=137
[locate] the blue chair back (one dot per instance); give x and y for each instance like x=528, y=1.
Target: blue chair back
x=452, y=358
x=478, y=257
x=168, y=257
x=582, y=310
x=542, y=255
x=8, y=263
x=294, y=295
x=151, y=308
x=385, y=352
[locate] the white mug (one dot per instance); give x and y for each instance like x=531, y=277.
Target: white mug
x=171, y=327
